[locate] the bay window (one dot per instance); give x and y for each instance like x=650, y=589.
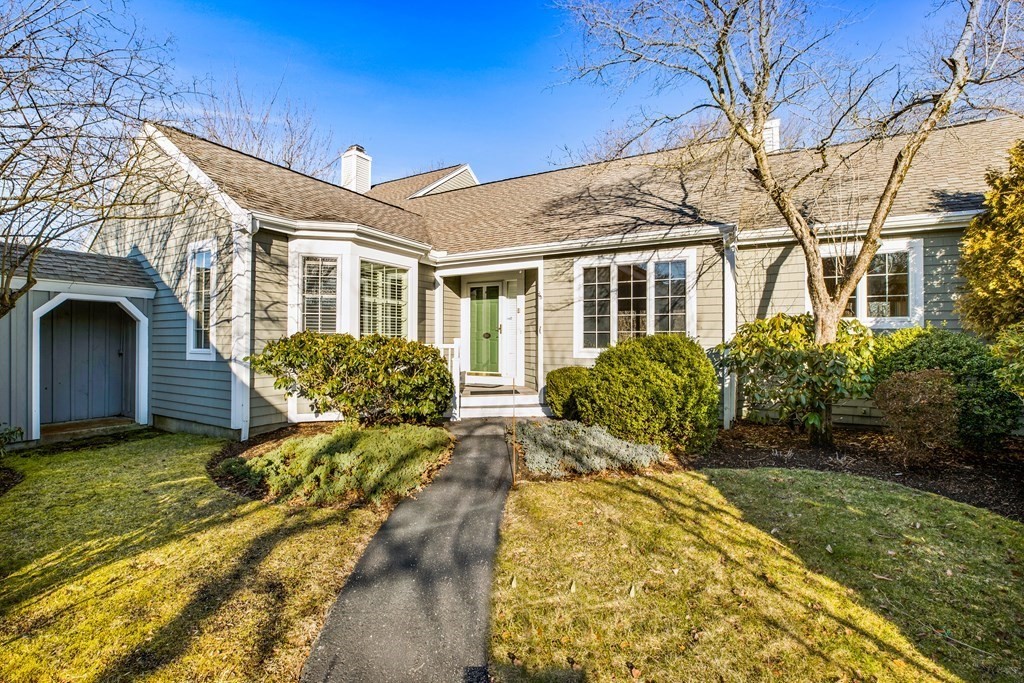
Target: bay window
x=320, y=294
x=383, y=300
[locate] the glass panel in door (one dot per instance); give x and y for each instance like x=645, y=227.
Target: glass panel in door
x=484, y=321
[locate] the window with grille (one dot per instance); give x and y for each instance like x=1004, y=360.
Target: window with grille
x=670, y=297
x=631, y=293
x=202, y=284
x=835, y=272
x=888, y=285
x=383, y=300
x=320, y=294
x=597, y=307
x=883, y=293
x=624, y=300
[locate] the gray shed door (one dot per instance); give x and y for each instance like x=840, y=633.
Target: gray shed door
x=86, y=363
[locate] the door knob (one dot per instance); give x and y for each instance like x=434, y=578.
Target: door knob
x=487, y=335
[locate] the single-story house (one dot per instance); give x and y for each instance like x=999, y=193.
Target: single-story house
x=511, y=279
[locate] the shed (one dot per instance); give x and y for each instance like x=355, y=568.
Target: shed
x=76, y=347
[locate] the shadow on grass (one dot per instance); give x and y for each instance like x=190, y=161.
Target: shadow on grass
x=948, y=575
x=754, y=557
x=80, y=511
x=173, y=639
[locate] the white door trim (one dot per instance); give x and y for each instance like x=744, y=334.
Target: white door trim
x=141, y=354
x=507, y=375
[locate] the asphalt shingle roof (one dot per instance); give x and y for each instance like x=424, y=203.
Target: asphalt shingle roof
x=399, y=190
x=259, y=185
x=78, y=266
x=689, y=186
x=650, y=193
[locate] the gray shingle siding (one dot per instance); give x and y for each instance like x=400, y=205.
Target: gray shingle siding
x=189, y=390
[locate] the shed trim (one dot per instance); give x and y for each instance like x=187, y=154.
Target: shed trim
x=141, y=353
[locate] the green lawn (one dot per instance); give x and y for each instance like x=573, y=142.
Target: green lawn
x=127, y=562
x=739, y=575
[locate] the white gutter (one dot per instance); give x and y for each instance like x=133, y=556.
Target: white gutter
x=333, y=230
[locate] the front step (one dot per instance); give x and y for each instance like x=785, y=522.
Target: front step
x=534, y=410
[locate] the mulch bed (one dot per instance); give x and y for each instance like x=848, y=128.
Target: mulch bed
x=8, y=478
x=994, y=481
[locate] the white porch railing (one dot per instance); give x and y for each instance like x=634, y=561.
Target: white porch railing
x=452, y=354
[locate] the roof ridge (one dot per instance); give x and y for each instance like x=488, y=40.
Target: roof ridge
x=780, y=152
x=416, y=175
x=159, y=124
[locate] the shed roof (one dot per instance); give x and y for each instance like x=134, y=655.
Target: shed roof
x=78, y=266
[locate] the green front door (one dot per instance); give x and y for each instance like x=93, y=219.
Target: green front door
x=484, y=337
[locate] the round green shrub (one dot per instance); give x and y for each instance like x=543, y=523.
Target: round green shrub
x=987, y=413
x=632, y=396
x=697, y=421
x=560, y=390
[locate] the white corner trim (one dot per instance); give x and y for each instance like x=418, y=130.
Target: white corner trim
x=241, y=329
x=540, y=327
x=192, y=353
x=689, y=255
x=438, y=310
x=464, y=168
x=915, y=266
x=141, y=354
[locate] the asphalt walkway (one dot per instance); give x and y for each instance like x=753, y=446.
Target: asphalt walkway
x=416, y=607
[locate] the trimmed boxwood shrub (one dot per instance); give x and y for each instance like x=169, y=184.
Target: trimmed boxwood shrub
x=374, y=379
x=635, y=393
x=560, y=390
x=697, y=424
x=987, y=413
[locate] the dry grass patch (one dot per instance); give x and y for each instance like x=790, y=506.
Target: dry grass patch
x=127, y=562
x=754, y=575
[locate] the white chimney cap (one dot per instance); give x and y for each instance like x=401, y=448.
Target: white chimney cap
x=772, y=135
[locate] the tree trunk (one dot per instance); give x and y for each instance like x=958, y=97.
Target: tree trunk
x=821, y=436
x=826, y=323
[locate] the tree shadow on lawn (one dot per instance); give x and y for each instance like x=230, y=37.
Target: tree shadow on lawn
x=949, y=575
x=173, y=639
x=85, y=513
x=832, y=538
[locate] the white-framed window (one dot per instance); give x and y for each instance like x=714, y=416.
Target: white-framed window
x=620, y=296
x=891, y=294
x=383, y=300
x=320, y=276
x=201, y=300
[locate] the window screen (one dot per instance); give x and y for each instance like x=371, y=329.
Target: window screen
x=888, y=285
x=632, y=300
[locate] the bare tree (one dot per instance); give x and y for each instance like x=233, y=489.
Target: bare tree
x=273, y=128
x=76, y=81
x=754, y=60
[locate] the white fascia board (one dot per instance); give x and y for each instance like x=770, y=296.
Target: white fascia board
x=911, y=223
x=464, y=168
x=651, y=239
x=482, y=267
x=72, y=287
x=239, y=216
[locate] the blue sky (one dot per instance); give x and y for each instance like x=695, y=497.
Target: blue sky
x=421, y=84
